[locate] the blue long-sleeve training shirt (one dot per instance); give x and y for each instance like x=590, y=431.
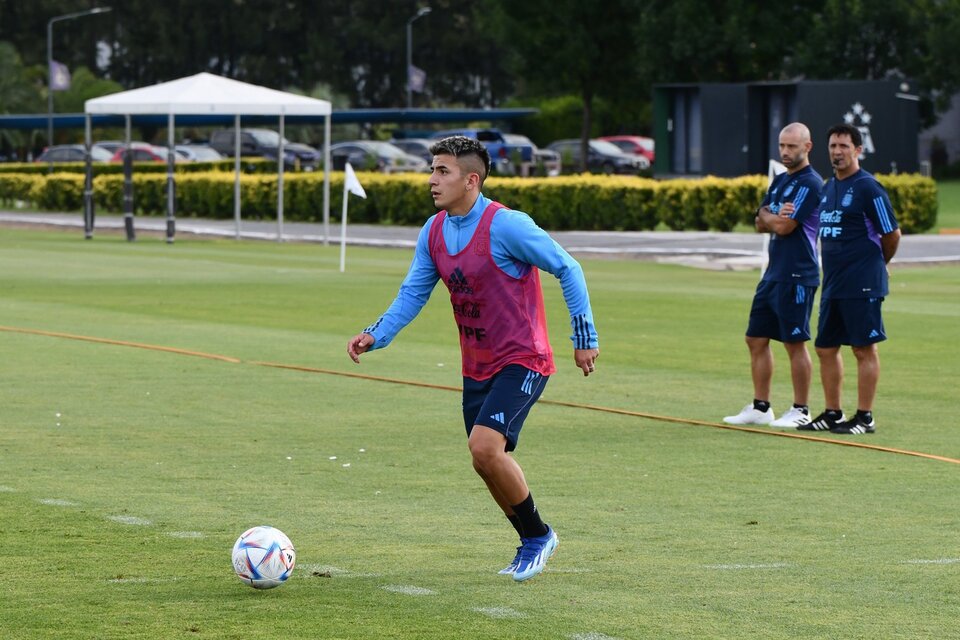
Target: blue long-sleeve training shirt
x=516, y=244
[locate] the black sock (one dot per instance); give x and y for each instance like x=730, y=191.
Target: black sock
x=834, y=414
x=866, y=416
x=530, y=523
x=515, y=521
x=802, y=407
x=761, y=405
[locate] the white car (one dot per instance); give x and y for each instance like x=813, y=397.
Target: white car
x=547, y=158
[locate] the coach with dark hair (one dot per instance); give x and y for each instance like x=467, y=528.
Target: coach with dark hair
x=859, y=236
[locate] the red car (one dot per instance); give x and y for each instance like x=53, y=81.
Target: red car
x=143, y=152
x=637, y=145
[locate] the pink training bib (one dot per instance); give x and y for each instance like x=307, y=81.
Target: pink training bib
x=500, y=318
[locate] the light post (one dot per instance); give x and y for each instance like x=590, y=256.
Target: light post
x=420, y=13
x=68, y=16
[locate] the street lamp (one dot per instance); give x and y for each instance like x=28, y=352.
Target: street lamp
x=68, y=16
x=422, y=12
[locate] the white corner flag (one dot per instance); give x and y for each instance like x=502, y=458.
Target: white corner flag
x=350, y=185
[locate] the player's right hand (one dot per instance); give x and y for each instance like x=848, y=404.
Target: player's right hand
x=358, y=344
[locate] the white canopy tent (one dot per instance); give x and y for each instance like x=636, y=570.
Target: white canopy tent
x=208, y=94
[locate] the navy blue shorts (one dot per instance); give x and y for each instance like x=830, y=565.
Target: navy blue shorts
x=503, y=401
x=853, y=321
x=781, y=311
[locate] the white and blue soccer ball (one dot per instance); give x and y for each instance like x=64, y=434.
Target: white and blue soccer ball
x=264, y=557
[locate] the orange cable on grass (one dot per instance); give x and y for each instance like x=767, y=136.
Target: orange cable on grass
x=427, y=385
x=121, y=343
x=624, y=412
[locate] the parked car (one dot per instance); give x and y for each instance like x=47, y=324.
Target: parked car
x=602, y=157
x=505, y=158
x=198, y=152
x=545, y=161
x=111, y=145
x=265, y=143
x=419, y=147
x=72, y=153
x=373, y=155
x=143, y=152
x=637, y=145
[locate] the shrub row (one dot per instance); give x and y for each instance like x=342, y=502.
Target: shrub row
x=573, y=202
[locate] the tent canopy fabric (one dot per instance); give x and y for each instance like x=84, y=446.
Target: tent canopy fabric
x=205, y=93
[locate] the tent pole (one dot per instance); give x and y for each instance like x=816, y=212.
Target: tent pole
x=171, y=202
x=280, y=163
x=128, y=182
x=326, y=179
x=236, y=172
x=87, y=180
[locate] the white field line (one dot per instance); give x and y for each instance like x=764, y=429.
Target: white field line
x=499, y=613
x=5, y=489
x=408, y=590
x=935, y=561
x=185, y=534
x=592, y=635
x=140, y=580
x=58, y=502
x=771, y=565
x=568, y=570
x=141, y=522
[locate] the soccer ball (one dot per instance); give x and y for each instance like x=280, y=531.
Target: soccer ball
x=264, y=557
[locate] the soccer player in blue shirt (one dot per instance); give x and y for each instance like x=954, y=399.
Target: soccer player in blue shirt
x=488, y=257
x=784, y=298
x=859, y=236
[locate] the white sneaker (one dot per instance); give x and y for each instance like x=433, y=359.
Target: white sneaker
x=749, y=415
x=792, y=419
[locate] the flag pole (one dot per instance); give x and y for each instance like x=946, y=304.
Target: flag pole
x=343, y=228
x=350, y=185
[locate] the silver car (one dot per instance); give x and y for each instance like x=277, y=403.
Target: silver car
x=373, y=155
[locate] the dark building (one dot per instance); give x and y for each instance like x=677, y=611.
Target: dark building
x=733, y=129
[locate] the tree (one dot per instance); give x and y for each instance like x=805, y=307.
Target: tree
x=910, y=39
x=717, y=41
x=84, y=85
x=570, y=46
x=19, y=93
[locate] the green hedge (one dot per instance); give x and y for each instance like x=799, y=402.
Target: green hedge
x=568, y=202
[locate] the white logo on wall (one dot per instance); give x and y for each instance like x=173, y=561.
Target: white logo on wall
x=860, y=118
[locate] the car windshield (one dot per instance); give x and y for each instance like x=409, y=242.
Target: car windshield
x=516, y=138
x=387, y=150
x=488, y=136
x=205, y=153
x=602, y=146
x=267, y=138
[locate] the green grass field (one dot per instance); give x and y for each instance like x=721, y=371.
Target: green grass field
x=127, y=473
x=948, y=211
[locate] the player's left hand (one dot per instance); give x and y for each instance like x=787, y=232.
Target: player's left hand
x=586, y=359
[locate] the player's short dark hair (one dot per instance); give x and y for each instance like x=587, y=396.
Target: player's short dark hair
x=846, y=130
x=463, y=147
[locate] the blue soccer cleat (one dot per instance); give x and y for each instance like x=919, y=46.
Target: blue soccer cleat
x=512, y=567
x=534, y=555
